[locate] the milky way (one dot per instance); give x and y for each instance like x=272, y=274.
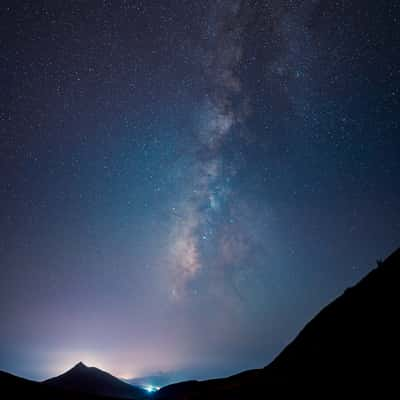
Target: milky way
x=196, y=228
x=185, y=183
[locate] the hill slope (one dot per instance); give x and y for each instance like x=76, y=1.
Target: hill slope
x=94, y=381
x=13, y=387
x=351, y=345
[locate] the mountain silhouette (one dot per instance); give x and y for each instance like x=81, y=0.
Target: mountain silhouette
x=350, y=347
x=94, y=381
x=14, y=387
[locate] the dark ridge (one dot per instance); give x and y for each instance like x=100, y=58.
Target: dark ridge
x=92, y=380
x=350, y=346
x=14, y=387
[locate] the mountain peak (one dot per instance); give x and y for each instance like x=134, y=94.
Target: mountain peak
x=84, y=379
x=80, y=365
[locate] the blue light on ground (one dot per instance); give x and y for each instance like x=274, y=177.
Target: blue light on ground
x=151, y=388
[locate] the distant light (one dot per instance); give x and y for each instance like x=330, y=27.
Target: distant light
x=152, y=389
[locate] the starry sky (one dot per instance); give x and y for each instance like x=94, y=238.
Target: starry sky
x=184, y=184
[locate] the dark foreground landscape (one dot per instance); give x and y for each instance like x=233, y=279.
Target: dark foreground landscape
x=351, y=346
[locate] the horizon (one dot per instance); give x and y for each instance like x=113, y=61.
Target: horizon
x=185, y=185
x=153, y=383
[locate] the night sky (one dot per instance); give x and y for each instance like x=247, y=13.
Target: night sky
x=184, y=184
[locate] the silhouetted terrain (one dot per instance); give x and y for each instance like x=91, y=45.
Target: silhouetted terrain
x=351, y=346
x=95, y=381
x=14, y=387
